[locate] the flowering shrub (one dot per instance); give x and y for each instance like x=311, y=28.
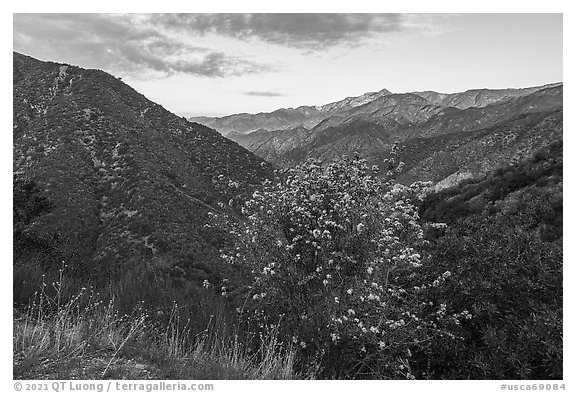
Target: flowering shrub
x=333, y=254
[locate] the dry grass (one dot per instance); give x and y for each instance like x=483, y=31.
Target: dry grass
x=87, y=331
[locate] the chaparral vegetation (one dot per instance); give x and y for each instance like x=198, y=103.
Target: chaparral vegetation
x=336, y=276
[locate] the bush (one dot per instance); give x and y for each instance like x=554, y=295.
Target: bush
x=511, y=281
x=29, y=203
x=333, y=254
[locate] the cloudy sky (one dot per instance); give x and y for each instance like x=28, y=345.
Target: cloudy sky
x=217, y=64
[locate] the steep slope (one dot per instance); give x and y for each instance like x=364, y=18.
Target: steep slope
x=531, y=187
x=450, y=158
x=272, y=145
x=356, y=135
x=131, y=183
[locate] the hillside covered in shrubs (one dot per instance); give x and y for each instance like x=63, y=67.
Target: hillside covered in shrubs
x=149, y=247
x=503, y=241
x=129, y=183
x=341, y=275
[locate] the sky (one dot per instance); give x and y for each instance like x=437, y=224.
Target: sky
x=219, y=64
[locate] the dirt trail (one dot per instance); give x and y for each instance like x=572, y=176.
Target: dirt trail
x=84, y=367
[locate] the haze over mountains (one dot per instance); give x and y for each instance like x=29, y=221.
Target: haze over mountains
x=454, y=136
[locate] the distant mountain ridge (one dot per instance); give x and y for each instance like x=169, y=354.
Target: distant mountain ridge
x=479, y=97
x=277, y=120
x=311, y=116
x=412, y=119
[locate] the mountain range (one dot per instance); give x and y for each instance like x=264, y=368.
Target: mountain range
x=444, y=138
x=311, y=116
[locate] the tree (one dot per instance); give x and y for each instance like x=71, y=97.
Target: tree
x=28, y=204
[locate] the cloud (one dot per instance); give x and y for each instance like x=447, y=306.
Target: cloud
x=147, y=46
x=263, y=94
x=122, y=44
x=305, y=31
